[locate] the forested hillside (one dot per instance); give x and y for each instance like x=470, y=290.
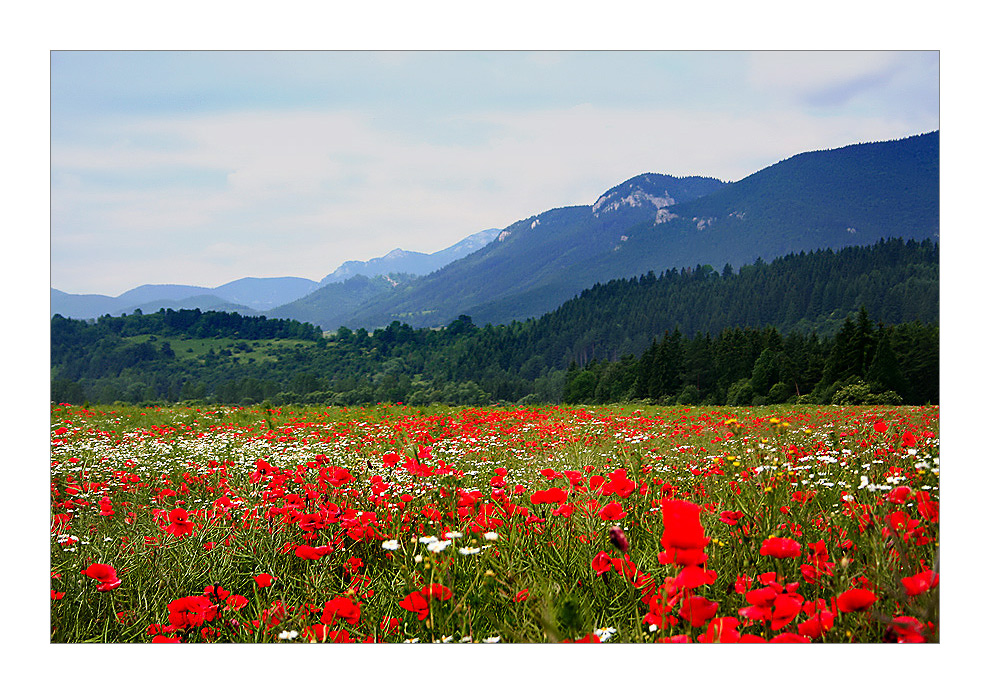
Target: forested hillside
x=852, y=196
x=859, y=323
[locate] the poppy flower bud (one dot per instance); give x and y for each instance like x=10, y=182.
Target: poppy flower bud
x=618, y=538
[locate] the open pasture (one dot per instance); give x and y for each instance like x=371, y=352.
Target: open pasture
x=397, y=524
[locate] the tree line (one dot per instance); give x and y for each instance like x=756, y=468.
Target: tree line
x=855, y=324
x=865, y=363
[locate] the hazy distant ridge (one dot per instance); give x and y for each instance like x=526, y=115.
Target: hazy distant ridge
x=247, y=295
x=410, y=262
x=253, y=295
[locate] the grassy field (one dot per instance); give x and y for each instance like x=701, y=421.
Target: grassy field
x=240, y=350
x=397, y=524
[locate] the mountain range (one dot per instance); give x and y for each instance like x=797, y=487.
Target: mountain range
x=253, y=295
x=851, y=196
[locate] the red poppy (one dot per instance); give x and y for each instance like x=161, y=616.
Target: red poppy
x=817, y=624
x=693, y=576
x=612, y=512
x=574, y=477
x=343, y=608
x=880, y=426
x=565, y=510
x=602, y=563
x=855, y=599
x=626, y=567
x=811, y=573
x=761, y=602
x=307, y=552
x=521, y=596
x=698, y=610
x=906, y=629
x=898, y=495
x=660, y=613
x=590, y=638
x=926, y=507
x=336, y=476
x=682, y=525
x=786, y=607
x=106, y=508
x=731, y=517
x=920, y=582
x=180, y=524
x=216, y=591
x=818, y=555
x=743, y=583
x=236, y=602
x=721, y=630
x=264, y=580
x=436, y=591
x=780, y=548
x=554, y=495
x=105, y=574
x=415, y=602
x=788, y=637
x=619, y=484
x=191, y=611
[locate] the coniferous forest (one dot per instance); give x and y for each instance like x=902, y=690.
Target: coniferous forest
x=854, y=326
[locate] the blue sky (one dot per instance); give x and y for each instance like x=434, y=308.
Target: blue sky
x=203, y=167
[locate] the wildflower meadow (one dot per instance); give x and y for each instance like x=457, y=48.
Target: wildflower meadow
x=393, y=524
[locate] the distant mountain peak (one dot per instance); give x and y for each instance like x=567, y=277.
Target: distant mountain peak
x=659, y=190
x=410, y=262
x=636, y=198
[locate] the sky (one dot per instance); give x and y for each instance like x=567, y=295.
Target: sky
x=202, y=167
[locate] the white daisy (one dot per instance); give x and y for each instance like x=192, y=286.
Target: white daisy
x=438, y=546
x=606, y=633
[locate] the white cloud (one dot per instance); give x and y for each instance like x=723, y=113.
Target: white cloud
x=804, y=71
x=885, y=81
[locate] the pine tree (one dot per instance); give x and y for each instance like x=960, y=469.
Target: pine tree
x=670, y=364
x=863, y=344
x=884, y=372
